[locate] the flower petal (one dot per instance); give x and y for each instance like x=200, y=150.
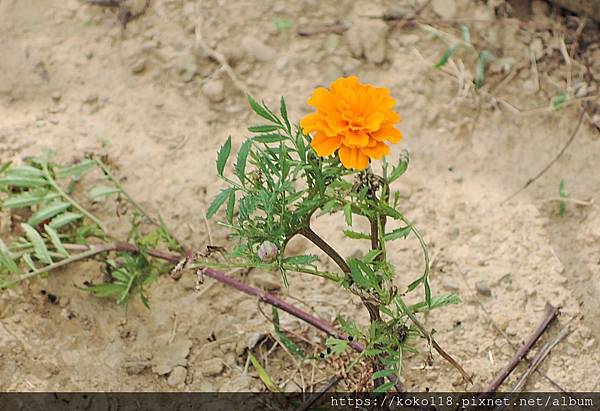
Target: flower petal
x=377, y=152
x=323, y=100
x=325, y=145
x=355, y=138
x=353, y=158
x=389, y=133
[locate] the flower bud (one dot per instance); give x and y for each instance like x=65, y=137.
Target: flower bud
x=267, y=251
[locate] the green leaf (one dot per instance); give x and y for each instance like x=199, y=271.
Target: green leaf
x=337, y=346
x=269, y=138
x=27, y=199
x=29, y=262
x=562, y=206
x=230, y=206
x=436, y=302
x=446, y=56
x=348, y=214
x=355, y=235
x=53, y=235
x=401, y=168
x=301, y=259
x=263, y=128
x=381, y=374
x=75, y=169
x=398, y=233
x=284, y=114
x=465, y=33
x=284, y=339
x=105, y=290
x=101, y=192
x=384, y=387
x=41, y=252
x=64, y=219
x=260, y=110
x=371, y=256
x=480, y=66
x=242, y=158
x=25, y=171
x=223, y=156
x=6, y=259
x=415, y=284
x=262, y=374
x=559, y=101
x=47, y=212
x=218, y=202
x=22, y=181
x=5, y=167
x=357, y=274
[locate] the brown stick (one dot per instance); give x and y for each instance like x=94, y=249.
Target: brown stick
x=317, y=395
x=550, y=314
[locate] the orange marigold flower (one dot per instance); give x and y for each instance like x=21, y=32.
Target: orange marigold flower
x=353, y=118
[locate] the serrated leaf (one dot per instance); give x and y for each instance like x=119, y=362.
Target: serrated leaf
x=355, y=235
x=263, y=128
x=284, y=114
x=301, y=259
x=559, y=101
x=47, y=212
x=348, y=214
x=40, y=250
x=64, y=219
x=436, y=302
x=260, y=110
x=381, y=374
x=6, y=259
x=25, y=171
x=5, y=167
x=242, y=159
x=446, y=56
x=337, y=346
x=75, y=169
x=269, y=138
x=262, y=374
x=283, y=338
x=29, y=262
x=101, y=192
x=357, y=274
x=398, y=233
x=27, y=199
x=217, y=202
x=230, y=207
x=54, y=237
x=384, y=387
x=400, y=168
x=371, y=256
x=22, y=181
x=223, y=156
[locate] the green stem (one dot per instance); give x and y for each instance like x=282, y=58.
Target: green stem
x=69, y=198
x=92, y=251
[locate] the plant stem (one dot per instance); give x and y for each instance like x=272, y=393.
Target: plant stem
x=69, y=198
x=317, y=240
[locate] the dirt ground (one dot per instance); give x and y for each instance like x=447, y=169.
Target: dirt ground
x=73, y=80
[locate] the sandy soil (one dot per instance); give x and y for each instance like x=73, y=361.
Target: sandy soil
x=71, y=79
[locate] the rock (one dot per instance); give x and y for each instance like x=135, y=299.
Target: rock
x=177, y=377
x=214, y=90
x=537, y=48
x=449, y=284
x=56, y=96
x=243, y=383
x=211, y=368
x=409, y=39
x=368, y=38
x=138, y=66
x=258, y=50
x=483, y=289
x=446, y=9
x=135, y=366
x=249, y=342
x=169, y=356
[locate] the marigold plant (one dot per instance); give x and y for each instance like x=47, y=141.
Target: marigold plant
x=285, y=177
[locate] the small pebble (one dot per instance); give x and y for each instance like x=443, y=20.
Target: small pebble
x=483, y=289
x=177, y=376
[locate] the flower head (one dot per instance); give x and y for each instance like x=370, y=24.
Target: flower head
x=354, y=119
